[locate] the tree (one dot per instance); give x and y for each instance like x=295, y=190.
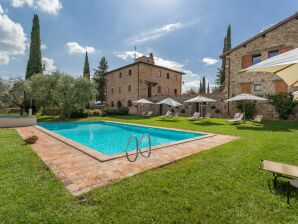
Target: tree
x=15, y=93
x=283, y=103
x=86, y=72
x=191, y=91
x=34, y=65
x=100, y=79
x=221, y=73
x=65, y=92
x=200, y=87
x=208, y=88
x=204, y=85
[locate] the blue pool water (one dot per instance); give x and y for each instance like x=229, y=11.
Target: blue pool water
x=111, y=138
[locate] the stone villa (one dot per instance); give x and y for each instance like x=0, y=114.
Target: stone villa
x=275, y=40
x=141, y=79
x=145, y=79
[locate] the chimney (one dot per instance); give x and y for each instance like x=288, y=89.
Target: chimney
x=151, y=55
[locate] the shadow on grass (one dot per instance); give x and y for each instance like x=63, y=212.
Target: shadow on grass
x=282, y=189
x=205, y=123
x=282, y=126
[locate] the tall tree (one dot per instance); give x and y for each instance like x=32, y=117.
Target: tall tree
x=221, y=74
x=204, y=85
x=208, y=88
x=34, y=65
x=99, y=78
x=86, y=72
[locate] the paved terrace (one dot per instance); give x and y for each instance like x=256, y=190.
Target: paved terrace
x=81, y=173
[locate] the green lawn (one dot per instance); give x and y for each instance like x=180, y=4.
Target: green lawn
x=221, y=185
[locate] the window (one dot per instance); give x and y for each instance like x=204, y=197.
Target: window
x=112, y=104
x=256, y=59
x=246, y=88
x=176, y=77
x=119, y=89
x=158, y=89
x=119, y=104
x=167, y=91
x=175, y=91
x=129, y=88
x=273, y=53
x=129, y=72
x=159, y=74
x=168, y=75
x=281, y=87
x=112, y=91
x=257, y=87
x=120, y=75
x=129, y=103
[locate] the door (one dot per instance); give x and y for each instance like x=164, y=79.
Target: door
x=149, y=91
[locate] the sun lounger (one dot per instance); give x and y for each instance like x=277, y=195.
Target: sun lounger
x=149, y=114
x=257, y=119
x=167, y=115
x=195, y=116
x=237, y=118
x=281, y=170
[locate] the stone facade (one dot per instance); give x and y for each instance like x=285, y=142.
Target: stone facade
x=278, y=39
x=141, y=79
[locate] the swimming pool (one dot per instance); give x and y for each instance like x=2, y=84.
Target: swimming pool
x=111, y=138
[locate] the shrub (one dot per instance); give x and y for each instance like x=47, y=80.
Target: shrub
x=119, y=111
x=95, y=112
x=249, y=108
x=283, y=103
x=80, y=113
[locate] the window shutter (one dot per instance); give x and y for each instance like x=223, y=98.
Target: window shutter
x=246, y=88
x=284, y=49
x=280, y=87
x=246, y=61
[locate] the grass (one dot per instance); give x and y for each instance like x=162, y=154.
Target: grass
x=221, y=185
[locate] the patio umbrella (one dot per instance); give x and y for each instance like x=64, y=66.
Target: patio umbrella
x=295, y=95
x=142, y=102
x=284, y=65
x=245, y=96
x=200, y=100
x=170, y=102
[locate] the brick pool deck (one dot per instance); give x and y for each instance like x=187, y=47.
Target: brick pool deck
x=81, y=172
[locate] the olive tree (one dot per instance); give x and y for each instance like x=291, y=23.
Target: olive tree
x=16, y=91
x=62, y=91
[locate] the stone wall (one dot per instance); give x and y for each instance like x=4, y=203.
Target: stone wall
x=282, y=38
x=164, y=82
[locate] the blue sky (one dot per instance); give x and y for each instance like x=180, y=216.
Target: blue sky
x=182, y=34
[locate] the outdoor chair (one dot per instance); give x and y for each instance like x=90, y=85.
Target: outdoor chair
x=281, y=170
x=167, y=115
x=238, y=118
x=149, y=114
x=257, y=119
x=195, y=116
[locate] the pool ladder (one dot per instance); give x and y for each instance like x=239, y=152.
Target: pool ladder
x=138, y=150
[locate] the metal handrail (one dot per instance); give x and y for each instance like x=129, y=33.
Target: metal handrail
x=137, y=148
x=149, y=141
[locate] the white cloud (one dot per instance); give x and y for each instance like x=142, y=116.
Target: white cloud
x=47, y=6
x=20, y=3
x=157, y=33
x=43, y=46
x=49, y=64
x=74, y=47
x=1, y=10
x=12, y=38
x=190, y=79
x=209, y=61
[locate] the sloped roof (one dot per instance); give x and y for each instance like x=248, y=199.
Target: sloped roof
x=294, y=16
